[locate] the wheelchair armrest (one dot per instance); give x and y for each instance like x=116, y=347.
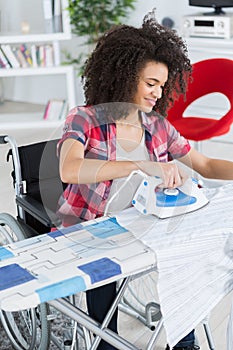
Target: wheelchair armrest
x=46, y=216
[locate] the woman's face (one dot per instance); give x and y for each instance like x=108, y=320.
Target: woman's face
x=152, y=79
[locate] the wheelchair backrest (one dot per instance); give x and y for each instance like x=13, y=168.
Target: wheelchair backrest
x=40, y=171
x=39, y=166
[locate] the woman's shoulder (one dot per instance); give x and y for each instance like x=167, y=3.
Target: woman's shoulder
x=80, y=111
x=87, y=114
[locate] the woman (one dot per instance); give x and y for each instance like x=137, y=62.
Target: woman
x=130, y=80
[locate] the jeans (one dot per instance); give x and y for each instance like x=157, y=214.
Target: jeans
x=99, y=301
x=186, y=341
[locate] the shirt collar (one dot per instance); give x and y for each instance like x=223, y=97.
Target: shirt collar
x=148, y=121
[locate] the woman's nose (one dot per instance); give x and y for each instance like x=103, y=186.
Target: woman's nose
x=157, y=92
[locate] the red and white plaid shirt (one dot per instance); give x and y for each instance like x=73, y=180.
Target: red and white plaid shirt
x=88, y=125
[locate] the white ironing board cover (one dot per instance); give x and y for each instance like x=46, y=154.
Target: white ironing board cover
x=230, y=330
x=194, y=254
x=68, y=261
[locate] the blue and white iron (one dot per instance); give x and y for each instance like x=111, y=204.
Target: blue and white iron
x=165, y=203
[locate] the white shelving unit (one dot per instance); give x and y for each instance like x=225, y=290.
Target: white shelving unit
x=68, y=71
x=203, y=48
x=64, y=70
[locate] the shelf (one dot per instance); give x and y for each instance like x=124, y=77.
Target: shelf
x=13, y=72
x=68, y=71
x=213, y=46
x=210, y=42
x=35, y=124
x=16, y=115
x=13, y=39
x=9, y=108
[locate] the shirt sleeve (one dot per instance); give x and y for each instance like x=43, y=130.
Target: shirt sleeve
x=178, y=146
x=77, y=126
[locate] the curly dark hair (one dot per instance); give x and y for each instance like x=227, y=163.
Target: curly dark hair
x=112, y=71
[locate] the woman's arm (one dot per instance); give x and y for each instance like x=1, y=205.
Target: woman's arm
x=76, y=169
x=208, y=167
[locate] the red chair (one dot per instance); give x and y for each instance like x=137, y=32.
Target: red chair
x=209, y=76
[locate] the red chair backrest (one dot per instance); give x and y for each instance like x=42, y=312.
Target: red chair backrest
x=209, y=76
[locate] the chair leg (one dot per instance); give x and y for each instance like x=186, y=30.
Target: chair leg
x=208, y=333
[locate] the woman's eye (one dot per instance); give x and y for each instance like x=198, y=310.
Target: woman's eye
x=149, y=84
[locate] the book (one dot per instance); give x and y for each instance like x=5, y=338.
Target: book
x=64, y=110
x=26, y=53
x=38, y=54
x=4, y=60
x=2, y=65
x=56, y=53
x=34, y=56
x=49, y=55
x=48, y=16
x=10, y=56
x=41, y=56
x=54, y=109
x=57, y=16
x=22, y=60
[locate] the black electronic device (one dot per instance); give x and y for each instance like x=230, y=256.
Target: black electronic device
x=218, y=5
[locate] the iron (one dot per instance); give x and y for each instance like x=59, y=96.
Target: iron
x=163, y=202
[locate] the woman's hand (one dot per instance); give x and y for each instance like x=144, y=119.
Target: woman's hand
x=172, y=175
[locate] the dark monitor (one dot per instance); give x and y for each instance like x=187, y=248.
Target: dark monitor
x=218, y=5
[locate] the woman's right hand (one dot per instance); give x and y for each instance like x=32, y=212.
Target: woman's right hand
x=171, y=174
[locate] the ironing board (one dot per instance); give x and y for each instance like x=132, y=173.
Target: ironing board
x=191, y=254
x=49, y=267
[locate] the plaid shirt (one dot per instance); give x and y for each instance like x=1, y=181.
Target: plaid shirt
x=89, y=126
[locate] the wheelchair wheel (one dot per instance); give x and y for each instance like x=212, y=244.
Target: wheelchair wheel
x=67, y=333
x=10, y=230
x=28, y=329
x=141, y=301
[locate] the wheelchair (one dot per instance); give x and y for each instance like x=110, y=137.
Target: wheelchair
x=38, y=186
